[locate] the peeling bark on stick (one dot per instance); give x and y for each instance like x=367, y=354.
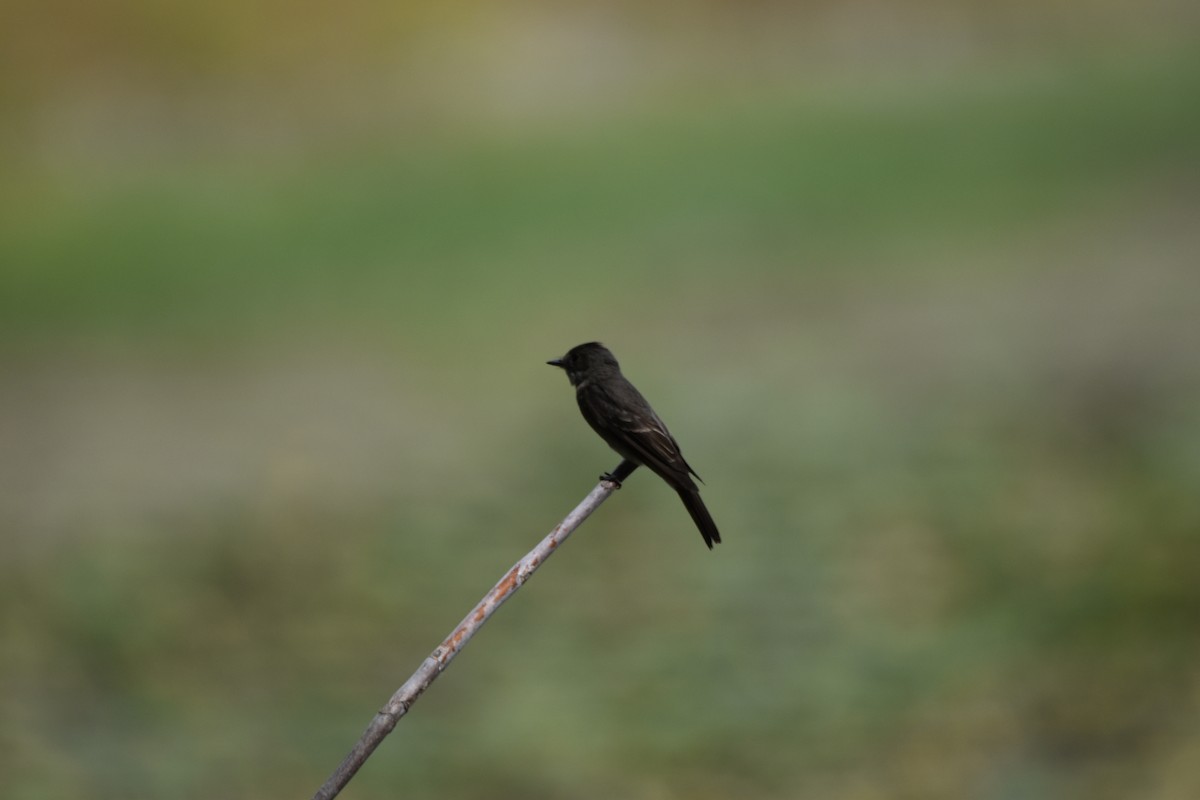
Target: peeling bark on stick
x=395, y=708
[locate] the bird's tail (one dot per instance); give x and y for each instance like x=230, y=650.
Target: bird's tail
x=704, y=521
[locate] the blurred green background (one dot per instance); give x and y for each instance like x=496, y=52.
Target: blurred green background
x=915, y=284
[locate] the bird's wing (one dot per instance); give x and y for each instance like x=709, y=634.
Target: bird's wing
x=641, y=432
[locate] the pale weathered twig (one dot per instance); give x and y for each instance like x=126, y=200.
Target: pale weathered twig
x=440, y=658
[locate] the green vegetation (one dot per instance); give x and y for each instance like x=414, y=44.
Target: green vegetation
x=742, y=192
x=271, y=429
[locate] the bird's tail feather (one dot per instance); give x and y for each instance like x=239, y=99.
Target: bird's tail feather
x=704, y=521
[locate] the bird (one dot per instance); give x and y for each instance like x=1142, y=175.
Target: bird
x=617, y=411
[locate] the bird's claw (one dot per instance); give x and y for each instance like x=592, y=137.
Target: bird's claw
x=611, y=478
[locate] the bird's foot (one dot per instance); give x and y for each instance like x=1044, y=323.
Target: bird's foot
x=618, y=475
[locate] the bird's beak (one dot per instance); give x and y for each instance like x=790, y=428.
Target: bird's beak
x=557, y=362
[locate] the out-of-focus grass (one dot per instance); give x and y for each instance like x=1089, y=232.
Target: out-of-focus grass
x=766, y=183
x=933, y=354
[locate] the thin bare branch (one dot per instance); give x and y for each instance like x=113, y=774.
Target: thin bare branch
x=387, y=717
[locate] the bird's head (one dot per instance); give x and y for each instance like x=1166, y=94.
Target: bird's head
x=586, y=360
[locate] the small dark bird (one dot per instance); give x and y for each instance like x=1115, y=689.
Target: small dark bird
x=618, y=412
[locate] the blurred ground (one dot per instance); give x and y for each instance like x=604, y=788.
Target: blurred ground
x=915, y=286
